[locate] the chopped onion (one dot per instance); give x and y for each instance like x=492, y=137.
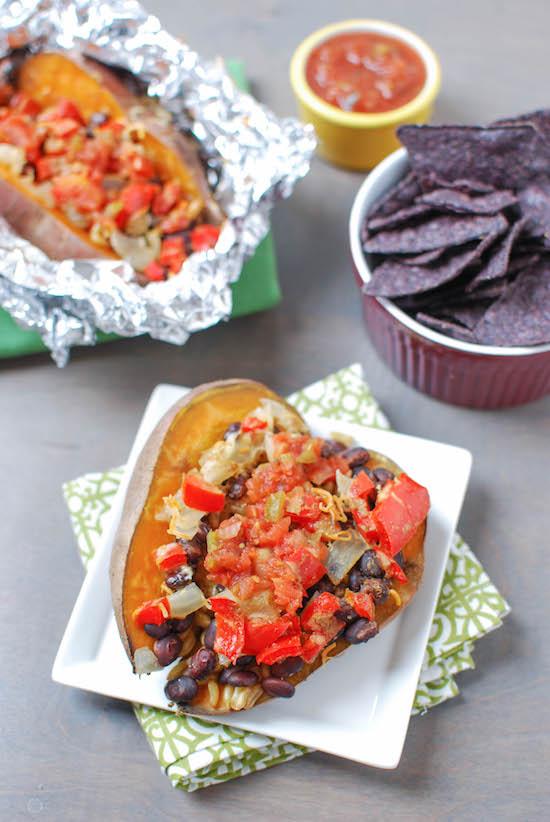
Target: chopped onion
x=184, y=521
x=342, y=556
x=230, y=528
x=186, y=601
x=13, y=157
x=138, y=251
x=343, y=484
x=272, y=411
x=145, y=662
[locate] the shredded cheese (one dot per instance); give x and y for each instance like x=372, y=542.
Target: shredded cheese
x=326, y=652
x=331, y=504
x=340, y=536
x=395, y=596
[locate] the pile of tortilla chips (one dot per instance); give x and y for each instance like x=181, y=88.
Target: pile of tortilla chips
x=462, y=242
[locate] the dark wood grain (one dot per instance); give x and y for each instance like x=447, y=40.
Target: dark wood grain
x=68, y=755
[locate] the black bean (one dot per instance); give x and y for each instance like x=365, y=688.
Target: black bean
x=399, y=558
x=346, y=613
x=287, y=667
x=355, y=580
x=238, y=677
x=210, y=635
x=369, y=565
x=322, y=586
x=378, y=588
x=243, y=661
x=202, y=663
x=202, y=533
x=383, y=475
x=158, y=631
x=181, y=625
x=278, y=687
x=232, y=429
x=331, y=447
x=360, y=631
x=355, y=456
x=182, y=689
x=167, y=649
x=362, y=469
x=178, y=579
x=236, y=488
x=193, y=549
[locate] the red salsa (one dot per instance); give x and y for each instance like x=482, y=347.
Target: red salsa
x=365, y=72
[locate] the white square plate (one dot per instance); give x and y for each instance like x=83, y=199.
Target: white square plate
x=359, y=706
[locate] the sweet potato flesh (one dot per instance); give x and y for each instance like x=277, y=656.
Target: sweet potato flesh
x=195, y=428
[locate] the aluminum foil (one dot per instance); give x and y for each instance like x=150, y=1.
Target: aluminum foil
x=253, y=159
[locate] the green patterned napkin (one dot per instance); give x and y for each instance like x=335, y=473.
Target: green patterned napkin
x=196, y=753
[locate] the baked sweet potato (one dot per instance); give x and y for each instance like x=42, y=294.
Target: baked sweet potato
x=252, y=551
x=89, y=167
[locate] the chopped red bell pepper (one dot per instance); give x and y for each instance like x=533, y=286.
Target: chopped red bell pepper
x=172, y=253
x=140, y=167
x=308, y=508
x=46, y=168
x=396, y=572
x=202, y=495
x=260, y=635
x=402, y=506
x=325, y=469
x=137, y=196
x=176, y=220
x=62, y=110
x=171, y=556
x=154, y=272
x=16, y=130
x=414, y=496
x=229, y=627
x=318, y=612
x=288, y=645
x=154, y=612
x=204, y=237
x=362, y=603
x=362, y=486
x=365, y=525
x=252, y=423
x=309, y=568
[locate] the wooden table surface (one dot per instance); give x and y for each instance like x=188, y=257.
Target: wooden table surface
x=69, y=755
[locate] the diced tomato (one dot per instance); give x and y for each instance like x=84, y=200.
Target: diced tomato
x=365, y=524
x=202, y=495
x=18, y=132
x=259, y=635
x=63, y=128
x=176, y=220
x=80, y=192
x=286, y=443
x=288, y=591
x=172, y=253
x=229, y=627
x=288, y=645
x=362, y=486
x=154, y=612
x=137, y=196
x=252, y=424
x=24, y=104
x=264, y=533
x=362, y=603
x=154, y=272
x=167, y=198
x=324, y=470
x=309, y=568
x=271, y=477
x=204, y=237
x=309, y=511
x=140, y=167
x=312, y=645
x=96, y=154
x=319, y=611
x=395, y=571
x=46, y=168
x=171, y=556
x=63, y=109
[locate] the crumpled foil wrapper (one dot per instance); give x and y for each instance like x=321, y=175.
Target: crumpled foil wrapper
x=253, y=159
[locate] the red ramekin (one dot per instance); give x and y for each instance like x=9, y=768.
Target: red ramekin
x=461, y=373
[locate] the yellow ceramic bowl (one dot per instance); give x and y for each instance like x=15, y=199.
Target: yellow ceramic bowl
x=356, y=140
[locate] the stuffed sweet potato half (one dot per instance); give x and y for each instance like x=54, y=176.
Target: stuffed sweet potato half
x=90, y=167
x=250, y=551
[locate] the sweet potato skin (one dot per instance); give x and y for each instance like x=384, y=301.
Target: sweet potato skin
x=138, y=499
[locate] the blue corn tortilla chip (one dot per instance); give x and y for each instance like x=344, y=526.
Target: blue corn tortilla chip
x=534, y=203
x=540, y=120
x=505, y=157
x=403, y=215
x=522, y=315
x=468, y=315
x=447, y=327
x=496, y=265
x=398, y=197
x=467, y=186
x=448, y=199
x=438, y=232
x=395, y=279
x=424, y=258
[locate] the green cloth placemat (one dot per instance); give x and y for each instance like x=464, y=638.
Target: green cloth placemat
x=196, y=753
x=256, y=289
